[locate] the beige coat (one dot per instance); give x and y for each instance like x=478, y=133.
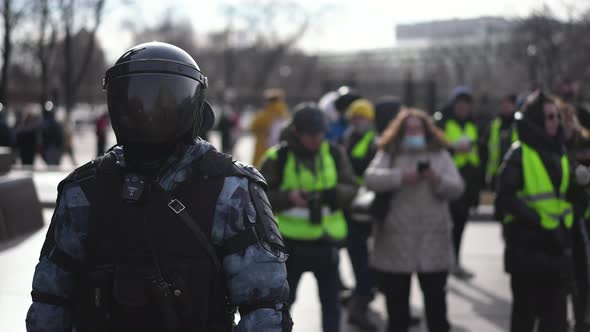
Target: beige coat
x=416, y=234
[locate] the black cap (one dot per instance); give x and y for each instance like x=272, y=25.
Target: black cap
x=309, y=119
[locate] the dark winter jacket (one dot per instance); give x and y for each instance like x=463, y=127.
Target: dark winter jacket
x=530, y=249
x=507, y=125
x=472, y=175
x=359, y=165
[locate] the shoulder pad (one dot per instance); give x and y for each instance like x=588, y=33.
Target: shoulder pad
x=266, y=225
x=105, y=163
x=250, y=172
x=215, y=163
x=80, y=174
x=264, y=231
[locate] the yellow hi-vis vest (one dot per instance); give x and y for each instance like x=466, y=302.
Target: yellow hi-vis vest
x=294, y=223
x=361, y=148
x=494, y=148
x=539, y=194
x=454, y=133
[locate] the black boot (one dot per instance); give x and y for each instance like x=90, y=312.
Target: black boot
x=358, y=309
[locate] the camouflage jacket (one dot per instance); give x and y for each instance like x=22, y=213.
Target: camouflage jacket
x=253, y=276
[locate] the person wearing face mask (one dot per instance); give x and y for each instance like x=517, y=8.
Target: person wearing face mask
x=498, y=139
x=359, y=143
x=463, y=136
x=310, y=183
x=534, y=196
x=415, y=236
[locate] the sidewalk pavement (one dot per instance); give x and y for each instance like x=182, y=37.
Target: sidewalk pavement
x=481, y=305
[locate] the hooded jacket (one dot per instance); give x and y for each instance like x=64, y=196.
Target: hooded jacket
x=530, y=249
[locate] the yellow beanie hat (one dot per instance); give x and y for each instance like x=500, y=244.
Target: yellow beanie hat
x=361, y=107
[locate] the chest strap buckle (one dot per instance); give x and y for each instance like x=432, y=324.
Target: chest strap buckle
x=176, y=206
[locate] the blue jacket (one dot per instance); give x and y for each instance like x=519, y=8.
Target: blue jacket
x=253, y=276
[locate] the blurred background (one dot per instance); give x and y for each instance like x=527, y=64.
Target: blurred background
x=53, y=55
x=55, y=52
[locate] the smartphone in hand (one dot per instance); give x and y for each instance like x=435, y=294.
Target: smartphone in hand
x=423, y=166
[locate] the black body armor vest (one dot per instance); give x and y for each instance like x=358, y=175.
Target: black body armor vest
x=145, y=270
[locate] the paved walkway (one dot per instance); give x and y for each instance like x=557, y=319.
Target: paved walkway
x=481, y=305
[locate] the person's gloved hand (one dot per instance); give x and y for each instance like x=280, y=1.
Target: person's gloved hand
x=330, y=198
x=582, y=175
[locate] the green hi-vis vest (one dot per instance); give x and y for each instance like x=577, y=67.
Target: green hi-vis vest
x=454, y=133
x=361, y=148
x=539, y=194
x=294, y=223
x=494, y=148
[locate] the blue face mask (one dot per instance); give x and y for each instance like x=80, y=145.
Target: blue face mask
x=414, y=142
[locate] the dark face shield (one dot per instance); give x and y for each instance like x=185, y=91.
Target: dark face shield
x=153, y=107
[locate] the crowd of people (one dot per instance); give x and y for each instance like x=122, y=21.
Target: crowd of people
x=142, y=236
x=347, y=172
x=45, y=136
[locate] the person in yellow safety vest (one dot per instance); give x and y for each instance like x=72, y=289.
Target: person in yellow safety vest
x=310, y=181
x=463, y=136
x=360, y=146
x=498, y=138
x=535, y=190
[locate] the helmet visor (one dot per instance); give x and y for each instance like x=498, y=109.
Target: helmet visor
x=152, y=108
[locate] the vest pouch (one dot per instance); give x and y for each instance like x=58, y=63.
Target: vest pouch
x=184, y=305
x=131, y=288
x=95, y=312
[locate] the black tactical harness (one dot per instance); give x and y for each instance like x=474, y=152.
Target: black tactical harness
x=170, y=231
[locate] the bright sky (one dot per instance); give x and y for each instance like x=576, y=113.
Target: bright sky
x=347, y=24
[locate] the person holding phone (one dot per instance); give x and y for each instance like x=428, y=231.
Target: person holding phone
x=416, y=235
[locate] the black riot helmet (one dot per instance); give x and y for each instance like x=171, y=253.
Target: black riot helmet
x=156, y=94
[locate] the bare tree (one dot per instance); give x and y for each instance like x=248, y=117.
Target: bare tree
x=45, y=48
x=72, y=77
x=260, y=26
x=11, y=17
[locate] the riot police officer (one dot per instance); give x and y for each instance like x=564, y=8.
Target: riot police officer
x=162, y=233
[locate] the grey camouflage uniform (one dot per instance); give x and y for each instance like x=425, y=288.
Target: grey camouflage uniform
x=253, y=276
